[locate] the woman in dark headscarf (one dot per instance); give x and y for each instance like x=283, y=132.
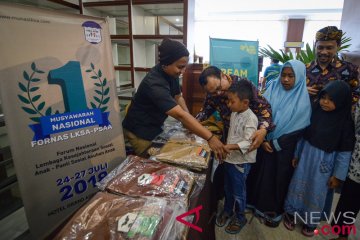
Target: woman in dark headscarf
x=321, y=158
x=158, y=96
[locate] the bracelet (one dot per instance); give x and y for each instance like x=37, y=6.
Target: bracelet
x=210, y=137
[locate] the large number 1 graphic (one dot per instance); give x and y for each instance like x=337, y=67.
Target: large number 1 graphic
x=70, y=80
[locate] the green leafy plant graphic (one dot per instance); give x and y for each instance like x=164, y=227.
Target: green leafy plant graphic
x=33, y=103
x=101, y=90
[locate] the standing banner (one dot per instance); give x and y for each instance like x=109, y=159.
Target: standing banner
x=61, y=109
x=236, y=57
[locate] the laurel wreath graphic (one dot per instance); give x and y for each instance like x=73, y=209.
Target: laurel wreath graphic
x=36, y=107
x=102, y=90
x=31, y=99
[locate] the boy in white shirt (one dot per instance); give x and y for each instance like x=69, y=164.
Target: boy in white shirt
x=243, y=123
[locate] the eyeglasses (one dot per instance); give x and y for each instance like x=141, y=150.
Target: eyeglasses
x=218, y=90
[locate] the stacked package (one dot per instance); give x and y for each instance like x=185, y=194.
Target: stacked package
x=185, y=155
x=141, y=198
x=182, y=148
x=143, y=177
x=109, y=216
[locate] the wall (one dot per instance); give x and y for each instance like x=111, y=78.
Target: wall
x=350, y=22
x=262, y=20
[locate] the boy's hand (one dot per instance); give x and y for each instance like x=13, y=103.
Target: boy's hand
x=334, y=182
x=266, y=146
x=294, y=162
x=228, y=147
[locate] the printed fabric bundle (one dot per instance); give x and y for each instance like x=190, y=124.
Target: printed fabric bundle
x=195, y=157
x=182, y=148
x=109, y=216
x=143, y=177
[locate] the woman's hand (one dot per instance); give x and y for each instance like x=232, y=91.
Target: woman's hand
x=218, y=148
x=312, y=91
x=267, y=147
x=257, y=139
x=295, y=162
x=334, y=182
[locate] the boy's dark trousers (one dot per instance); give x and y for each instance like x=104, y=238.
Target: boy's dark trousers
x=235, y=188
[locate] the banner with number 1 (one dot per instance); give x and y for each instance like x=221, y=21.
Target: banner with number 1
x=61, y=110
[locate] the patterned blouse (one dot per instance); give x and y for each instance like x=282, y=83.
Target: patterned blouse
x=259, y=105
x=336, y=70
x=354, y=169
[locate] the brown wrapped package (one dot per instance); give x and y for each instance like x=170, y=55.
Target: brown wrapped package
x=107, y=216
x=144, y=177
x=186, y=155
x=182, y=148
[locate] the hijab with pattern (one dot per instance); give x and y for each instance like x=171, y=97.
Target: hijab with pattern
x=333, y=131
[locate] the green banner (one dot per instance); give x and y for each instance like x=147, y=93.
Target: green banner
x=237, y=57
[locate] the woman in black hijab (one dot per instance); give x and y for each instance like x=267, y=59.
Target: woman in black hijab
x=159, y=96
x=321, y=158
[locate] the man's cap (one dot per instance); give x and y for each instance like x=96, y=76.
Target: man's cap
x=329, y=33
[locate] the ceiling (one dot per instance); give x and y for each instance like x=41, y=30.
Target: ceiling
x=225, y=10
x=266, y=9
x=46, y=4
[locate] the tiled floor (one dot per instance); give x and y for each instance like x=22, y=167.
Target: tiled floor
x=255, y=230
